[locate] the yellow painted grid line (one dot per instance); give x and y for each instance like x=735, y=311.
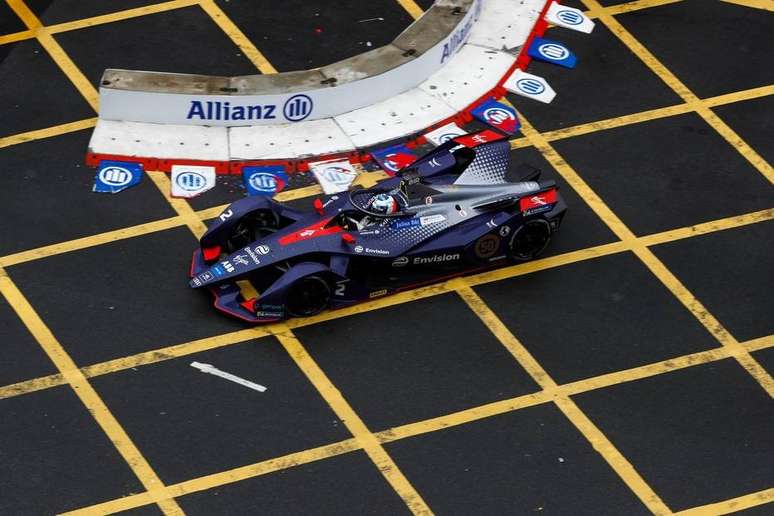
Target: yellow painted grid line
x=304, y=361
x=118, y=16
x=585, y=426
x=650, y=260
x=66, y=366
x=181, y=207
x=650, y=60
x=196, y=346
x=411, y=7
x=651, y=114
x=25, y=14
x=734, y=505
x=446, y=421
x=237, y=36
x=47, y=132
x=767, y=5
x=220, y=479
x=83, y=389
x=330, y=394
x=156, y=225
x=16, y=36
x=56, y=52
x=367, y=441
x=636, y=5
x=90, y=241
x=364, y=178
x=519, y=142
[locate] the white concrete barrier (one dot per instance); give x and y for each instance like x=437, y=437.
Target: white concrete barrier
x=434, y=72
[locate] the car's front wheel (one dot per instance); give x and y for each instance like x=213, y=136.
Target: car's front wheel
x=529, y=240
x=308, y=296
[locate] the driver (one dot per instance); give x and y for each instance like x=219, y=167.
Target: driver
x=384, y=203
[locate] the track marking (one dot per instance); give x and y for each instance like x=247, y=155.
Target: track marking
x=316, y=376
x=40, y=331
x=48, y=132
x=221, y=479
x=150, y=227
x=704, y=228
x=85, y=392
x=654, y=114
x=518, y=142
x=434, y=424
x=90, y=241
x=187, y=348
x=118, y=16
x=237, y=36
x=628, y=7
x=766, y=5
x=16, y=36
x=354, y=424
x=733, y=505
x=211, y=369
x=56, y=52
x=585, y=426
x=181, y=207
x=759, y=343
x=34, y=385
x=682, y=90
x=411, y=7
x=179, y=350
x=72, y=72
x=650, y=260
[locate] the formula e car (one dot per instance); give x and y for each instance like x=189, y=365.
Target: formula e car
x=456, y=210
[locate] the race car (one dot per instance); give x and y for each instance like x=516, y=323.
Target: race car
x=456, y=210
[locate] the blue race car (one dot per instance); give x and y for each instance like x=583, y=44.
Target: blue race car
x=456, y=210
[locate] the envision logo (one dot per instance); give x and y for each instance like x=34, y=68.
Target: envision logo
x=437, y=258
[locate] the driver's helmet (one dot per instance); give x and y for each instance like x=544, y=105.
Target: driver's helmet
x=384, y=203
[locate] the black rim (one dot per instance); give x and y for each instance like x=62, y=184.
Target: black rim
x=308, y=296
x=530, y=239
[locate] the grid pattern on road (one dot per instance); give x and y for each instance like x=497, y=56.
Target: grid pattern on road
x=376, y=444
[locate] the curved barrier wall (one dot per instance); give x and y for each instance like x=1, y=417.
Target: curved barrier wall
x=470, y=60
x=166, y=98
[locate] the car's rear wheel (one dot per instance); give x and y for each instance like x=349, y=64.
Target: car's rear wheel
x=252, y=227
x=530, y=240
x=308, y=296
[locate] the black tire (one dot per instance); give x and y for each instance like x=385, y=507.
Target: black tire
x=308, y=296
x=252, y=227
x=529, y=240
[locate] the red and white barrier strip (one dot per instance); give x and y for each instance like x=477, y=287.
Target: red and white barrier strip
x=476, y=73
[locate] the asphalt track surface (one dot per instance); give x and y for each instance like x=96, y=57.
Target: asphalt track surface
x=627, y=372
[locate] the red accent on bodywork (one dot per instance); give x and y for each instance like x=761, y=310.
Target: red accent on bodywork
x=474, y=140
x=211, y=253
x=318, y=206
x=347, y=238
x=317, y=229
x=249, y=305
x=537, y=200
